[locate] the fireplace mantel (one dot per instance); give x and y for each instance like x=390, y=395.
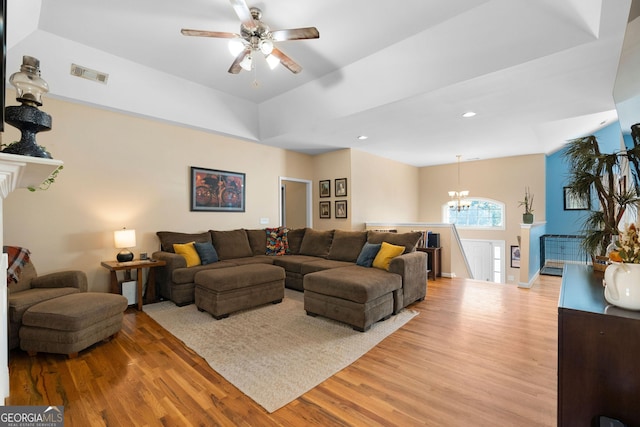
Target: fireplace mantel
x=15, y=172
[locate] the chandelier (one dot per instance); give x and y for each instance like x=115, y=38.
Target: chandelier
x=458, y=198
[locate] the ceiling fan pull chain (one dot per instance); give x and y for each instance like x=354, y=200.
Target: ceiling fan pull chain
x=255, y=83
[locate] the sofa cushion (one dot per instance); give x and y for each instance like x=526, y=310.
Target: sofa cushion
x=408, y=240
x=316, y=243
x=368, y=254
x=322, y=264
x=355, y=283
x=257, y=241
x=277, y=242
x=293, y=263
x=295, y=237
x=168, y=238
x=231, y=244
x=185, y=275
x=188, y=251
x=386, y=253
x=206, y=252
x=346, y=245
x=21, y=301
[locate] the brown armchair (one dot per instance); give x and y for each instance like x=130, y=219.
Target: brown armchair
x=31, y=289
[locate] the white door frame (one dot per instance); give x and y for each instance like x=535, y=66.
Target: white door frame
x=494, y=243
x=309, y=196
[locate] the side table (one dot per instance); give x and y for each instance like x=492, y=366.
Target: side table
x=434, y=263
x=115, y=266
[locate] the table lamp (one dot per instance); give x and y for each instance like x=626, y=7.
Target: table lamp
x=124, y=239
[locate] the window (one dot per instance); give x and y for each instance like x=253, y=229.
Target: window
x=482, y=214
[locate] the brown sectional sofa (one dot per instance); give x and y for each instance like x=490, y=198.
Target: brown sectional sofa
x=312, y=255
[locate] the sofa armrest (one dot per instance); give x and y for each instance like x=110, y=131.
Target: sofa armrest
x=164, y=274
x=413, y=269
x=63, y=279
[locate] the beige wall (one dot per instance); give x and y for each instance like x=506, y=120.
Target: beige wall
x=502, y=179
x=331, y=166
x=383, y=190
x=128, y=171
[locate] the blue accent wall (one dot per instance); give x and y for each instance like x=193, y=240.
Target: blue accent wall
x=560, y=221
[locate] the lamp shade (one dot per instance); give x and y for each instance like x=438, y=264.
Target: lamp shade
x=124, y=238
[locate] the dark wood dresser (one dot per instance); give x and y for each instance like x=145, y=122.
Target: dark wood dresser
x=598, y=354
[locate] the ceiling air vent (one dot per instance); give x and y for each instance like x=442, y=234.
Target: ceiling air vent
x=89, y=74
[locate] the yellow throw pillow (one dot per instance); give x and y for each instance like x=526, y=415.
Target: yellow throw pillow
x=386, y=253
x=188, y=251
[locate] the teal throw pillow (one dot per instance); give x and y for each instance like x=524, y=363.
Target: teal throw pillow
x=368, y=254
x=207, y=252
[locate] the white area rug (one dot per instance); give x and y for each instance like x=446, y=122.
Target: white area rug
x=274, y=353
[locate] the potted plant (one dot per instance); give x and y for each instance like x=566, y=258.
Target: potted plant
x=527, y=216
x=589, y=169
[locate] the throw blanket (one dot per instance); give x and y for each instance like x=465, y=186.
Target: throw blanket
x=18, y=257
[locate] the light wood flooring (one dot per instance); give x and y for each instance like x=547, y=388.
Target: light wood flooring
x=478, y=354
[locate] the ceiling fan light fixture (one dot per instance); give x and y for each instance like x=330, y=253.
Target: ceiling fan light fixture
x=273, y=61
x=266, y=46
x=235, y=46
x=246, y=63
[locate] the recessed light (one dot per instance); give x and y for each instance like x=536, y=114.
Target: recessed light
x=468, y=114
x=362, y=137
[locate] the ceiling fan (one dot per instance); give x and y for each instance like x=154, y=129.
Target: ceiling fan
x=256, y=36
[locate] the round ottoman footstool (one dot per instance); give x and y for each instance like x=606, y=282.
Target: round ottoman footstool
x=225, y=290
x=70, y=323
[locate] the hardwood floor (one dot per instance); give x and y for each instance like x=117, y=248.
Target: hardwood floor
x=478, y=354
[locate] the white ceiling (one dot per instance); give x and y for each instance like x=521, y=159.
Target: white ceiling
x=536, y=72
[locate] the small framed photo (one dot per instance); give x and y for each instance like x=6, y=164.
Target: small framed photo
x=515, y=256
x=325, y=188
x=573, y=202
x=216, y=190
x=325, y=209
x=341, y=208
x=341, y=187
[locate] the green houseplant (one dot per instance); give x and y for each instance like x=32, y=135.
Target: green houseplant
x=590, y=169
x=527, y=216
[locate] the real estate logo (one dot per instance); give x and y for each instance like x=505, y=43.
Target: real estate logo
x=31, y=416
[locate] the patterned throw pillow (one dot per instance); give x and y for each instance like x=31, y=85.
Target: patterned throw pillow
x=277, y=242
x=18, y=258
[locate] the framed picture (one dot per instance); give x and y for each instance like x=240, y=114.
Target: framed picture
x=325, y=188
x=217, y=191
x=325, y=209
x=341, y=208
x=341, y=187
x=573, y=202
x=515, y=256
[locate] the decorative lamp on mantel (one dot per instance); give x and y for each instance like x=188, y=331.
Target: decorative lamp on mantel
x=124, y=239
x=30, y=88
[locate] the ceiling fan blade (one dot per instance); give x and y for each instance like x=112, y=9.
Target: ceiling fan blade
x=295, y=34
x=293, y=66
x=235, y=67
x=200, y=33
x=242, y=10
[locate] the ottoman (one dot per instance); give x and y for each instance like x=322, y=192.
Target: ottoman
x=358, y=296
x=71, y=323
x=225, y=290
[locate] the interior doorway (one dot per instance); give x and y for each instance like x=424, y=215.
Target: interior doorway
x=295, y=203
x=486, y=259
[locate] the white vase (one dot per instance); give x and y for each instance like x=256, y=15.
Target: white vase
x=623, y=285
